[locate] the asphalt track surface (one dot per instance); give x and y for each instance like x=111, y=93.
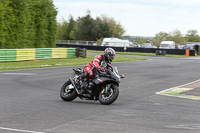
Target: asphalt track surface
x=30, y=101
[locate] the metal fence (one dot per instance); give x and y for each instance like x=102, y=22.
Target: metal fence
x=129, y=49
x=77, y=42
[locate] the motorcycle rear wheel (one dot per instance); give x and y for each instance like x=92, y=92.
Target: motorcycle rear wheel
x=67, y=94
x=110, y=97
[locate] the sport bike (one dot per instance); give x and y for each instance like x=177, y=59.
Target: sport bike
x=104, y=86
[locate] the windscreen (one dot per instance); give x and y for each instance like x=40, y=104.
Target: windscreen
x=103, y=64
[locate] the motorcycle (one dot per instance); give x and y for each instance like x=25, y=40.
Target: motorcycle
x=104, y=86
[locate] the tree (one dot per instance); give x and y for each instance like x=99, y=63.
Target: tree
x=192, y=36
x=176, y=36
x=102, y=29
x=70, y=28
x=64, y=30
x=59, y=31
x=116, y=27
x=27, y=23
x=3, y=8
x=89, y=29
x=159, y=37
x=85, y=29
x=8, y=27
x=51, y=24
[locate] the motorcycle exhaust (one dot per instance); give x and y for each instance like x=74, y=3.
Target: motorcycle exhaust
x=74, y=85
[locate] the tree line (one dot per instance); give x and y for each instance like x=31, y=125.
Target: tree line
x=32, y=24
x=177, y=36
x=27, y=23
x=174, y=35
x=88, y=29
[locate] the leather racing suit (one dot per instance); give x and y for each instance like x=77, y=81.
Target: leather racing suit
x=94, y=64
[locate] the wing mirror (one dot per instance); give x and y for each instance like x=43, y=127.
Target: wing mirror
x=122, y=76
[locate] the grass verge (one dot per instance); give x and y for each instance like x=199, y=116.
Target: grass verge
x=141, y=54
x=57, y=62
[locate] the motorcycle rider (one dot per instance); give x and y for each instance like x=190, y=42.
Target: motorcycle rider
x=108, y=56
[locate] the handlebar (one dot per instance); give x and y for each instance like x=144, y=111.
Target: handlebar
x=108, y=68
x=109, y=65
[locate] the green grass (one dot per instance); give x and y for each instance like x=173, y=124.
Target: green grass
x=141, y=54
x=57, y=62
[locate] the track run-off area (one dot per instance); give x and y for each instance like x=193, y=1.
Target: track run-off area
x=153, y=99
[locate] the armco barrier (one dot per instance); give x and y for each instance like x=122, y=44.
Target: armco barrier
x=43, y=53
x=35, y=54
x=8, y=54
x=25, y=54
x=71, y=52
x=59, y=53
x=129, y=49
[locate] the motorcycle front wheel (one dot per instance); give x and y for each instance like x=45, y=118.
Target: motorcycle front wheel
x=67, y=94
x=107, y=98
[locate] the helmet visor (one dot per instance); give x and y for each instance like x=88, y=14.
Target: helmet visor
x=112, y=57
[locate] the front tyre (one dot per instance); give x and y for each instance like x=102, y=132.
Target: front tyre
x=67, y=94
x=107, y=98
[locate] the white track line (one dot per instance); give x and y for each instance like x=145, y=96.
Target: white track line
x=18, y=130
x=177, y=86
x=160, y=93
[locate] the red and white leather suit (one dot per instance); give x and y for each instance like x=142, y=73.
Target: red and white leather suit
x=94, y=64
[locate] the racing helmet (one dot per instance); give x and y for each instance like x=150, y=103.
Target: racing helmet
x=110, y=54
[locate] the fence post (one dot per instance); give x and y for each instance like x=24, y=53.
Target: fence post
x=84, y=53
x=81, y=52
x=77, y=52
x=187, y=52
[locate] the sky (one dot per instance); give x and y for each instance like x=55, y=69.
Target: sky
x=138, y=17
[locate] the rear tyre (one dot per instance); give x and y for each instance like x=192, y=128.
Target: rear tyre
x=109, y=97
x=67, y=94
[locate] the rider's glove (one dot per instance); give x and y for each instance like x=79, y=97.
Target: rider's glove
x=102, y=69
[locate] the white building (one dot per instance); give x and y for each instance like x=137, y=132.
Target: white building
x=116, y=42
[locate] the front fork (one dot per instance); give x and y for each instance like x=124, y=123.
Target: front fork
x=106, y=89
